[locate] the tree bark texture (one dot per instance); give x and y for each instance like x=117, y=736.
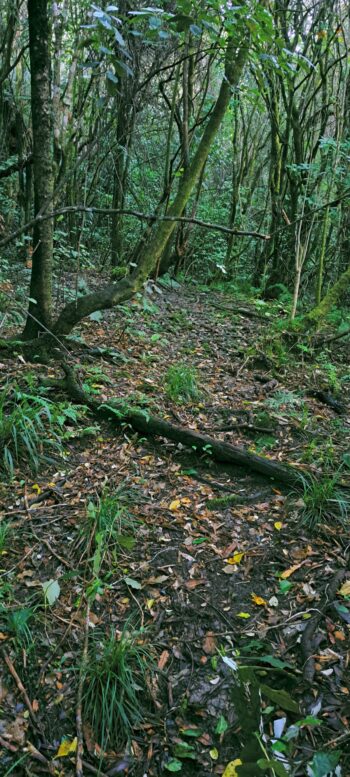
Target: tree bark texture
x=41, y=105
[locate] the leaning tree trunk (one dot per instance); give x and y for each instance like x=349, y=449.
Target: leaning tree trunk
x=39, y=312
x=151, y=253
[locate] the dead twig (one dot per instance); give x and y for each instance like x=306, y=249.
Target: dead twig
x=79, y=715
x=22, y=690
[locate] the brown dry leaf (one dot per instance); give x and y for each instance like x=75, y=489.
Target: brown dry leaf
x=340, y=635
x=16, y=731
x=190, y=584
x=35, y=705
x=163, y=659
x=209, y=644
x=288, y=572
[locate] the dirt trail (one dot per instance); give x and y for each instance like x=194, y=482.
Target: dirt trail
x=237, y=580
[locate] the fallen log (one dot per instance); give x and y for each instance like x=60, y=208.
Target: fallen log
x=149, y=425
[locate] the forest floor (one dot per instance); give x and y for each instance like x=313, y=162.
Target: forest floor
x=205, y=586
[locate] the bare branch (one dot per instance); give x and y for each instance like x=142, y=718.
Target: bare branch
x=127, y=212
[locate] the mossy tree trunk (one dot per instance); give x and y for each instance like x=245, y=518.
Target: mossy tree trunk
x=40, y=312
x=333, y=296
x=152, y=251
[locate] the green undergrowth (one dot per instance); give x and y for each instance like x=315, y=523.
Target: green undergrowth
x=111, y=528
x=116, y=696
x=32, y=428
x=271, y=725
x=323, y=501
x=181, y=383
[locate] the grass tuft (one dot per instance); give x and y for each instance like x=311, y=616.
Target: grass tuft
x=30, y=427
x=116, y=690
x=323, y=501
x=181, y=383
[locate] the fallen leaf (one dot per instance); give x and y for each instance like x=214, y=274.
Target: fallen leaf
x=190, y=584
x=230, y=770
x=258, y=600
x=278, y=525
x=243, y=615
x=51, y=590
x=235, y=559
x=132, y=583
x=209, y=644
x=214, y=753
x=175, y=504
x=288, y=572
x=345, y=589
x=163, y=659
x=66, y=747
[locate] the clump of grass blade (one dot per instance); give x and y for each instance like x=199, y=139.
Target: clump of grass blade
x=181, y=383
x=5, y=535
x=30, y=426
x=116, y=691
x=323, y=501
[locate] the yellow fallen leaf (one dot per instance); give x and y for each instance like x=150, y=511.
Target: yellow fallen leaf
x=150, y=603
x=243, y=615
x=214, y=753
x=258, y=600
x=185, y=500
x=345, y=589
x=175, y=504
x=288, y=572
x=36, y=488
x=235, y=559
x=66, y=747
x=230, y=770
x=278, y=525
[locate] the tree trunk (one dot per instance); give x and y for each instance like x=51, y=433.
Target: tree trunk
x=333, y=296
x=151, y=252
x=41, y=105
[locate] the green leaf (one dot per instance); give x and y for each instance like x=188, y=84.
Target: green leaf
x=276, y=766
x=276, y=662
x=280, y=697
x=310, y=720
x=346, y=459
x=323, y=763
x=51, y=590
x=132, y=583
x=285, y=585
x=174, y=765
x=126, y=541
x=184, y=750
x=221, y=726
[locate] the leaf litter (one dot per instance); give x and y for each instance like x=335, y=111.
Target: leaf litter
x=211, y=588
